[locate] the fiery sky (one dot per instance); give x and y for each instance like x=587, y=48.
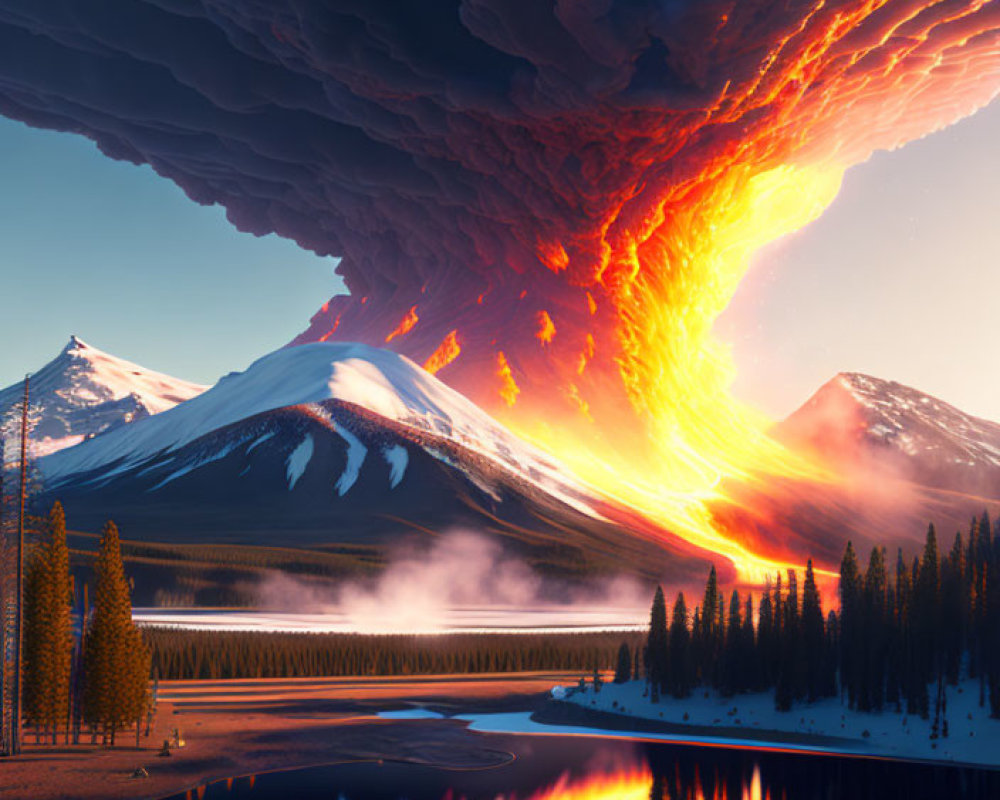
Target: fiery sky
x=551, y=205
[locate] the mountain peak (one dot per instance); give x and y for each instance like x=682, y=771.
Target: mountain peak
x=856, y=419
x=84, y=391
x=75, y=344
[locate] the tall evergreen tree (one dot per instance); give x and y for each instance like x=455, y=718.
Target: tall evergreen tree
x=679, y=652
x=117, y=660
x=926, y=625
x=871, y=692
x=623, y=670
x=765, y=639
x=734, y=667
x=850, y=624
x=813, y=640
x=953, y=608
x=47, y=630
x=657, y=668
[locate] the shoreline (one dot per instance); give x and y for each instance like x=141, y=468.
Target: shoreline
x=559, y=712
x=256, y=727
x=824, y=727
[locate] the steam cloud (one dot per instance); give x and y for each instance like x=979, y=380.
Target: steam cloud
x=418, y=588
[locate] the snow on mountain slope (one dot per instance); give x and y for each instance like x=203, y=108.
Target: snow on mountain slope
x=84, y=391
x=378, y=381
x=859, y=421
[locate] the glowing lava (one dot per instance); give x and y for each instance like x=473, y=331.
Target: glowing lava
x=446, y=352
x=405, y=325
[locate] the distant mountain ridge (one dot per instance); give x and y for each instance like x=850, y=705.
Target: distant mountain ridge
x=858, y=421
x=84, y=392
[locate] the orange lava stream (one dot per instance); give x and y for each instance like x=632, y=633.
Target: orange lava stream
x=839, y=84
x=405, y=325
x=446, y=352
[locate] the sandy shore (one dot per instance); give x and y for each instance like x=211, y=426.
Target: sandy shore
x=242, y=727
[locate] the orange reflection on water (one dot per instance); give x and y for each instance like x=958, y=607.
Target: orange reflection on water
x=640, y=783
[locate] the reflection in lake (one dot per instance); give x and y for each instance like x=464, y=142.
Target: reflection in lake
x=572, y=768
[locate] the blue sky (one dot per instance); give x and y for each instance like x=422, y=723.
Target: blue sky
x=123, y=259
x=899, y=278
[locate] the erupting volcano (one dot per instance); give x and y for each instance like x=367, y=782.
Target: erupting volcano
x=547, y=205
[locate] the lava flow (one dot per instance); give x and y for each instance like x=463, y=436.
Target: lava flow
x=548, y=205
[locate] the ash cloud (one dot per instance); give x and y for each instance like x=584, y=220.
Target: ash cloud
x=446, y=150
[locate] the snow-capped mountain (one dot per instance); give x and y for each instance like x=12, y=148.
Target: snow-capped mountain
x=84, y=391
x=862, y=422
x=333, y=443
x=377, y=381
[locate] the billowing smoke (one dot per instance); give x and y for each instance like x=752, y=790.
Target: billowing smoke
x=546, y=203
x=420, y=588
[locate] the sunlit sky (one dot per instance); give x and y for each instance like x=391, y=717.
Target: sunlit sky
x=899, y=278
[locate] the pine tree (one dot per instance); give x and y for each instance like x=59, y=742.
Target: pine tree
x=813, y=640
x=48, y=643
x=850, y=624
x=765, y=639
x=117, y=660
x=657, y=646
x=953, y=608
x=871, y=692
x=623, y=670
x=680, y=666
x=926, y=623
x=733, y=664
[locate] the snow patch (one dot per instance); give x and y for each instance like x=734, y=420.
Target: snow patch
x=187, y=468
x=397, y=457
x=298, y=460
x=356, y=453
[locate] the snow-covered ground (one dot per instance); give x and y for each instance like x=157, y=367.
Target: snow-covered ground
x=973, y=737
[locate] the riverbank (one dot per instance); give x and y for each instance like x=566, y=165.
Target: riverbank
x=825, y=726
x=246, y=727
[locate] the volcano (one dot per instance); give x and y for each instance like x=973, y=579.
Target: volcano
x=332, y=444
x=84, y=391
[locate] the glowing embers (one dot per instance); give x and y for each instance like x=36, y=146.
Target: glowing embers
x=553, y=255
x=546, y=328
x=508, y=387
x=405, y=325
x=333, y=328
x=446, y=352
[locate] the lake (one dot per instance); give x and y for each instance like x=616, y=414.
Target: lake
x=570, y=768
x=577, y=618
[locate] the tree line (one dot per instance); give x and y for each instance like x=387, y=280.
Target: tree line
x=184, y=654
x=900, y=636
x=96, y=677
